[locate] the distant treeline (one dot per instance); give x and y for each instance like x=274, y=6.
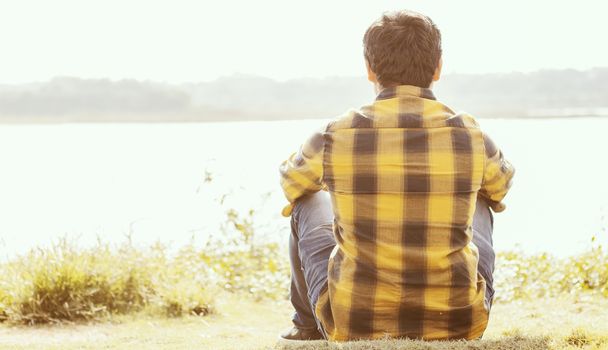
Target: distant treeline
x=547, y=93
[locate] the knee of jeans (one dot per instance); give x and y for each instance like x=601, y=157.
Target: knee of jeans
x=312, y=210
x=297, y=208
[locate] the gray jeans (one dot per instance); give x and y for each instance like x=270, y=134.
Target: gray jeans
x=311, y=242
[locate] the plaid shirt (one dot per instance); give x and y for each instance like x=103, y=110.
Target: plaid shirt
x=404, y=174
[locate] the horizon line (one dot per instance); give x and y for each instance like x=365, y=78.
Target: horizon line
x=264, y=77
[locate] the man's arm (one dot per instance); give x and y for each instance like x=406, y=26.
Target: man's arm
x=497, y=176
x=302, y=172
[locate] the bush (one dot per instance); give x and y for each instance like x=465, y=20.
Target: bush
x=243, y=264
x=524, y=276
x=69, y=283
x=66, y=283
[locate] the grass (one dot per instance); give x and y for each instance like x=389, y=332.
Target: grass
x=241, y=323
x=123, y=297
x=68, y=283
x=65, y=282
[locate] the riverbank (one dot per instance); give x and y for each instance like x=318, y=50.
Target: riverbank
x=239, y=323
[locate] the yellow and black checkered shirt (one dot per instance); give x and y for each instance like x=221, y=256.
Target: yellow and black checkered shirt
x=404, y=174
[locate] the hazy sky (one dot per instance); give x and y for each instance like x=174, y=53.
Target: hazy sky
x=178, y=41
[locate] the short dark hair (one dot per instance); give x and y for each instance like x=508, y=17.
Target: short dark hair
x=403, y=48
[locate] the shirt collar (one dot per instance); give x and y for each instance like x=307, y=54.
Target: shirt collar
x=405, y=90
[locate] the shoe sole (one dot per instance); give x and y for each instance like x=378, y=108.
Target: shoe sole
x=281, y=339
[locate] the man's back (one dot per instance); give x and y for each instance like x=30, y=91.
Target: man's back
x=404, y=174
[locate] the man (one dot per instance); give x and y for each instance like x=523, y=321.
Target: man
x=391, y=231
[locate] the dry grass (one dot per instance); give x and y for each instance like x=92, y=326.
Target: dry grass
x=567, y=323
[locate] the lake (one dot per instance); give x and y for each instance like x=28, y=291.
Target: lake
x=173, y=182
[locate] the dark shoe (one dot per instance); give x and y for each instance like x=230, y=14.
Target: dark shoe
x=295, y=333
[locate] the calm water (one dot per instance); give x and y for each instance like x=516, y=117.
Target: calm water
x=107, y=180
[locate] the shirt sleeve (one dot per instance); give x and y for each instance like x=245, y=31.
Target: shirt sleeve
x=302, y=172
x=497, y=176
